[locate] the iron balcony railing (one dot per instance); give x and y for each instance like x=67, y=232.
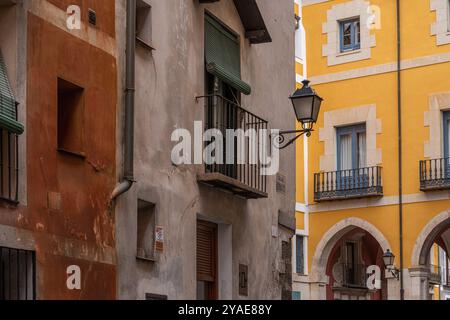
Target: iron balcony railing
x=435, y=174
x=223, y=114
x=447, y=277
x=353, y=275
x=347, y=184
x=435, y=274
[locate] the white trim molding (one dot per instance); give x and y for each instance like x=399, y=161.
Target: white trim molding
x=332, y=236
x=426, y=237
x=433, y=119
x=348, y=116
x=441, y=28
x=339, y=12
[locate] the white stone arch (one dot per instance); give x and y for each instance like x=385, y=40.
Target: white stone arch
x=332, y=236
x=426, y=237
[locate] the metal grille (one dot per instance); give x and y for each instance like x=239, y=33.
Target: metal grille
x=345, y=184
x=17, y=274
x=223, y=114
x=353, y=275
x=435, y=274
x=435, y=174
x=9, y=168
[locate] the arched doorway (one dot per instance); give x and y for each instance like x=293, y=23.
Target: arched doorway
x=341, y=260
x=431, y=257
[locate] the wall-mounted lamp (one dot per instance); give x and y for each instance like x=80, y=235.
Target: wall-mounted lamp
x=306, y=103
x=388, y=259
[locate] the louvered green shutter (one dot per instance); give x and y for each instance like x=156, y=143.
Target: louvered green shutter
x=222, y=54
x=7, y=103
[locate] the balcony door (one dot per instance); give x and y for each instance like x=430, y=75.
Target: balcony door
x=351, y=157
x=446, y=127
x=222, y=80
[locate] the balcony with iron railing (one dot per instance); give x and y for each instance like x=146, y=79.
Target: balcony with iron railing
x=239, y=174
x=435, y=274
x=352, y=275
x=435, y=174
x=348, y=184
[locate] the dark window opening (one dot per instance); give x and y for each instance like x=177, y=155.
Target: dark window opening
x=9, y=167
x=146, y=224
x=17, y=274
x=70, y=118
x=144, y=24
x=300, y=256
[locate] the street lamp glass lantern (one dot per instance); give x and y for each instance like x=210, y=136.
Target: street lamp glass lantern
x=388, y=258
x=306, y=103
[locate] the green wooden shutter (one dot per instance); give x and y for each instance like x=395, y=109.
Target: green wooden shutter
x=222, y=54
x=7, y=103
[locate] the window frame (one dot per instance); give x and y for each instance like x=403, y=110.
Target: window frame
x=300, y=269
x=354, y=45
x=354, y=130
x=445, y=120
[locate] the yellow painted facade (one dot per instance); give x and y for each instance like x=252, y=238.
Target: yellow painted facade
x=373, y=81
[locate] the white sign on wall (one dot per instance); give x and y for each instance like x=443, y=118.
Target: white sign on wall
x=374, y=277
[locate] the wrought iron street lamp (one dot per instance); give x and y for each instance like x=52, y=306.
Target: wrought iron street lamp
x=306, y=103
x=388, y=259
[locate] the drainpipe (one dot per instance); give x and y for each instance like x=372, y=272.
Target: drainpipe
x=400, y=156
x=128, y=178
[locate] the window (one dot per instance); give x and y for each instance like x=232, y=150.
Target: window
x=223, y=55
x=10, y=129
x=146, y=224
x=144, y=23
x=299, y=255
x=350, y=34
x=354, y=270
x=446, y=126
x=70, y=118
x=9, y=167
x=351, y=144
x=296, y=295
x=206, y=261
x=17, y=274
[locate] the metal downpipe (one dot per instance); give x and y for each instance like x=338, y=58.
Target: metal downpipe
x=128, y=178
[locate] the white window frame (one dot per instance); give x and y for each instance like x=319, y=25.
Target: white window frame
x=341, y=12
x=441, y=27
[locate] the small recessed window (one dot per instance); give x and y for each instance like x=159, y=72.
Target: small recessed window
x=92, y=15
x=350, y=34
x=70, y=117
x=146, y=223
x=144, y=24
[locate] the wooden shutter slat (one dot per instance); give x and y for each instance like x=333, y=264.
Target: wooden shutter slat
x=206, y=251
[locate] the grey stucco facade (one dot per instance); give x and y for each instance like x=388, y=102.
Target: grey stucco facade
x=168, y=79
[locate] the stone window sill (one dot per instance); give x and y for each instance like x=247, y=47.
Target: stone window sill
x=347, y=53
